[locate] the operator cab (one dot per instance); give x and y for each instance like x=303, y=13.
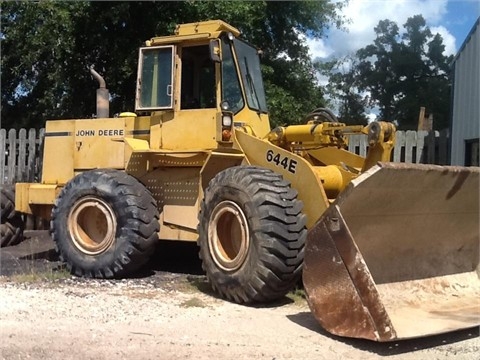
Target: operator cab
x=204, y=75
x=220, y=61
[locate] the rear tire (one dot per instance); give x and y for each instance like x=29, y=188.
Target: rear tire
x=104, y=224
x=12, y=225
x=251, y=235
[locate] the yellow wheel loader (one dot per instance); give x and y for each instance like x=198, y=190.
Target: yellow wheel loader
x=388, y=251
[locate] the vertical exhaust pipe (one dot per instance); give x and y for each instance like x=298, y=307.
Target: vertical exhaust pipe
x=103, y=105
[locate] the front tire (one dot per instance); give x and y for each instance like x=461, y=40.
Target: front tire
x=104, y=224
x=251, y=235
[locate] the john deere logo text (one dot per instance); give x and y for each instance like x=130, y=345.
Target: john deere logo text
x=105, y=132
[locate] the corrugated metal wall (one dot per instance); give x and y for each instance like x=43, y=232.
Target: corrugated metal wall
x=466, y=96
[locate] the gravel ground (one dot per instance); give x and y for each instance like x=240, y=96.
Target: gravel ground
x=169, y=312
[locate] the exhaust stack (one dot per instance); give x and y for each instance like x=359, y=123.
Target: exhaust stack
x=103, y=105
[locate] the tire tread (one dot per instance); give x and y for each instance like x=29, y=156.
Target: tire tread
x=279, y=228
x=135, y=209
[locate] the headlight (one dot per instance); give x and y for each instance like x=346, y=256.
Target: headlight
x=226, y=120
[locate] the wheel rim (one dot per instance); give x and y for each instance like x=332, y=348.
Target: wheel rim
x=228, y=236
x=92, y=225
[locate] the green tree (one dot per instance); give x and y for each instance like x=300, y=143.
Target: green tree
x=47, y=47
x=343, y=89
x=405, y=72
x=36, y=54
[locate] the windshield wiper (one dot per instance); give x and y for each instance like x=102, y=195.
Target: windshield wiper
x=251, y=84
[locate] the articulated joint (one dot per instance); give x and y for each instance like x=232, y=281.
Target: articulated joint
x=381, y=140
x=380, y=132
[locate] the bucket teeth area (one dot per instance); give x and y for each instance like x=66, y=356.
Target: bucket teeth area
x=397, y=254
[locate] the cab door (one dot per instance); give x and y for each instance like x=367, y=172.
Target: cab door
x=155, y=78
x=194, y=125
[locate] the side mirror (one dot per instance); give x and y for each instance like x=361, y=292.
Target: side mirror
x=215, y=52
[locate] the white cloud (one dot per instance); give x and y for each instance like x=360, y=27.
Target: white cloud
x=318, y=48
x=448, y=39
x=364, y=15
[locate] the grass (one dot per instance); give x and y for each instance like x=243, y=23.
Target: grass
x=193, y=302
x=40, y=276
x=297, y=295
x=195, y=284
x=199, y=284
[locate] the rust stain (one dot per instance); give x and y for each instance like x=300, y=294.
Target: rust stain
x=461, y=178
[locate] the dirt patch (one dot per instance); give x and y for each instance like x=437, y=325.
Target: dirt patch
x=169, y=312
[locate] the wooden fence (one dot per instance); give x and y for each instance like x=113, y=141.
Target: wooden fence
x=20, y=155
x=20, y=160
x=419, y=147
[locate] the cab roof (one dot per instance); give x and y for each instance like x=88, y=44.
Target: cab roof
x=211, y=29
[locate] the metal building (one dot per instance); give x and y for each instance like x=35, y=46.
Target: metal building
x=465, y=121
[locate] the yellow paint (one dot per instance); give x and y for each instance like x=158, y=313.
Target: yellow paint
x=211, y=26
x=99, y=143
x=28, y=195
x=57, y=167
x=190, y=129
x=295, y=169
x=192, y=32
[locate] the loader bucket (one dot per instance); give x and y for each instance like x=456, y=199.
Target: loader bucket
x=396, y=255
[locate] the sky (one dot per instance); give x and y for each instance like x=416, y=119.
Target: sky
x=453, y=19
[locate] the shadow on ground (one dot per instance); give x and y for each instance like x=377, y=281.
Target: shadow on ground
x=306, y=319
x=177, y=257
x=37, y=254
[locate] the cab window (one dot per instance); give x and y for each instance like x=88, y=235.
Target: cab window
x=154, y=85
x=231, y=90
x=198, y=78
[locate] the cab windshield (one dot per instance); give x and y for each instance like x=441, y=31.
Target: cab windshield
x=249, y=64
x=250, y=76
